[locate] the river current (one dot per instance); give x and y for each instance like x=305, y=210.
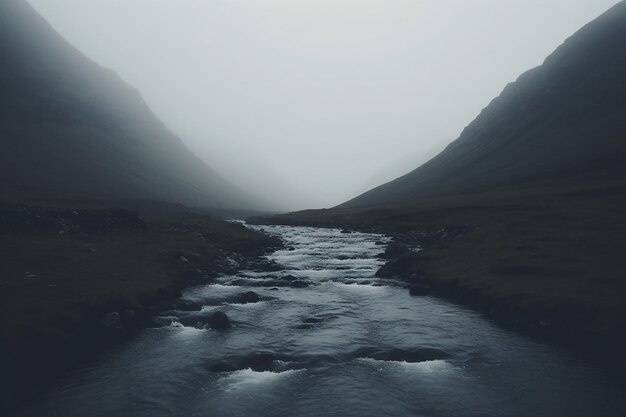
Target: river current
x=348, y=344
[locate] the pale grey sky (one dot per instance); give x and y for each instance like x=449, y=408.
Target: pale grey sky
x=311, y=102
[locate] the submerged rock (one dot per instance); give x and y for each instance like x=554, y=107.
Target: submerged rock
x=313, y=320
x=299, y=284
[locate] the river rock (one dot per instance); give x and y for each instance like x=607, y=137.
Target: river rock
x=396, y=268
x=419, y=289
x=299, y=284
x=312, y=320
x=111, y=320
x=247, y=297
x=396, y=249
x=290, y=278
x=217, y=320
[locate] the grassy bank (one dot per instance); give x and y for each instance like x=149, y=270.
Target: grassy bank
x=551, y=261
x=65, y=271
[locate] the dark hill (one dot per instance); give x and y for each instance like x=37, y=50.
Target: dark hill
x=522, y=217
x=563, y=121
x=70, y=127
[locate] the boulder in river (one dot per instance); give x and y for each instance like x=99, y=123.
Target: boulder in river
x=290, y=278
x=247, y=297
x=216, y=320
x=219, y=320
x=396, y=268
x=299, y=284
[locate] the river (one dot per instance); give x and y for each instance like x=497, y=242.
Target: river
x=349, y=344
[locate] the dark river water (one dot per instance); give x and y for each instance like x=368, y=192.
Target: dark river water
x=347, y=345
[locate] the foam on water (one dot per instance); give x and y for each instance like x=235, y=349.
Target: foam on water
x=426, y=367
x=247, y=378
x=258, y=304
x=357, y=286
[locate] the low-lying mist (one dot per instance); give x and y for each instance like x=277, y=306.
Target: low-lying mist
x=310, y=103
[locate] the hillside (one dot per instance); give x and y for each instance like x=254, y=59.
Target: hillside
x=69, y=127
x=564, y=120
x=522, y=216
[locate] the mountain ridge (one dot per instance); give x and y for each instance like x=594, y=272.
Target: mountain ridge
x=71, y=127
x=579, y=91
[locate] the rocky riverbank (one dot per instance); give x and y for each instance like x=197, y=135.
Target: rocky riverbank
x=413, y=257
x=543, y=263
x=75, y=281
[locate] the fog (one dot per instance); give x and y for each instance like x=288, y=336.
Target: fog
x=312, y=102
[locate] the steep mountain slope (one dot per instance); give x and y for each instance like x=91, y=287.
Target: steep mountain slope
x=564, y=120
x=71, y=127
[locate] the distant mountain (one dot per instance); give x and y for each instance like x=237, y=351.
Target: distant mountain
x=71, y=127
x=564, y=120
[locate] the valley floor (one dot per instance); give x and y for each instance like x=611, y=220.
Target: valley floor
x=75, y=280
x=545, y=261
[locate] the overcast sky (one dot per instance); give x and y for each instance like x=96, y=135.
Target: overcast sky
x=312, y=102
